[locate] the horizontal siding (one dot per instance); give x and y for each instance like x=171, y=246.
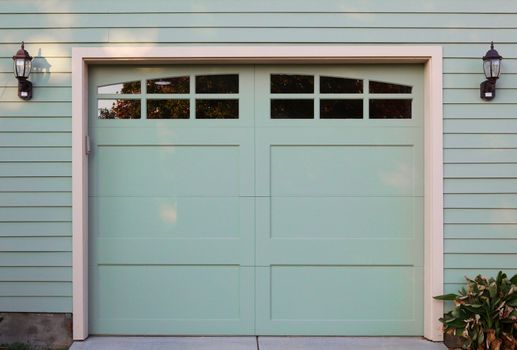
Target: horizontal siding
x=35, y=109
x=480, y=246
x=35, y=149
x=48, y=259
x=480, y=141
x=454, y=275
x=8, y=169
x=36, y=244
x=475, y=261
x=36, y=184
x=479, y=110
x=480, y=216
x=496, y=142
x=45, y=94
x=35, y=199
x=33, y=229
x=39, y=214
x=34, y=141
x=258, y=35
x=480, y=231
x=469, y=185
x=8, y=124
x=35, y=274
x=483, y=201
x=36, y=303
x=256, y=20
x=481, y=126
x=49, y=50
x=294, y=6
x=480, y=170
x=490, y=154
x=42, y=65
x=35, y=289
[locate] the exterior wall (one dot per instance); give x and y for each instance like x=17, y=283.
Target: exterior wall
x=480, y=169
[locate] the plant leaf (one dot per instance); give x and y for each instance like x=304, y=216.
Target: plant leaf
x=514, y=279
x=448, y=297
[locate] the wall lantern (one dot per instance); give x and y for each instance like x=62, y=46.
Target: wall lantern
x=22, y=69
x=492, y=69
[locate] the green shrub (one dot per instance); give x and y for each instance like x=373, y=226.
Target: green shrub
x=485, y=313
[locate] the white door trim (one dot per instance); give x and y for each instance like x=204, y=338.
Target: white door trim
x=431, y=56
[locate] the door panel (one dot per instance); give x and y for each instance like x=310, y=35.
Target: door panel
x=171, y=209
x=339, y=208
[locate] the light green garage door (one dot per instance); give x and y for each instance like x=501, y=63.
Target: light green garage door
x=256, y=200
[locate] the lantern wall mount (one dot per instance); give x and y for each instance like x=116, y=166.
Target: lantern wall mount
x=492, y=70
x=22, y=69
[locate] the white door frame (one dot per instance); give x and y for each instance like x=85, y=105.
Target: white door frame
x=431, y=56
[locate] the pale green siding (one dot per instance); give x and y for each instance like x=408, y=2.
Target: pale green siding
x=35, y=157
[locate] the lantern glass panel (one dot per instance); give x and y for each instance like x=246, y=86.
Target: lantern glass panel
x=492, y=68
x=487, y=69
x=28, y=68
x=19, y=67
x=22, y=68
x=496, y=68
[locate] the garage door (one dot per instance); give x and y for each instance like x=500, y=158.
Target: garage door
x=256, y=200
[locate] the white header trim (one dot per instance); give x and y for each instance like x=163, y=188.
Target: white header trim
x=433, y=196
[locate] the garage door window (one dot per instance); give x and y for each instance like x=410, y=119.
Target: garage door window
x=213, y=96
x=119, y=109
x=132, y=87
x=377, y=87
x=326, y=97
x=174, y=85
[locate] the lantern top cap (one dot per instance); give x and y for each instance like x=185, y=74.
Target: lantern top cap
x=22, y=54
x=492, y=54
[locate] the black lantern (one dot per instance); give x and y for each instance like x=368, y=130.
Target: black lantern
x=492, y=69
x=22, y=69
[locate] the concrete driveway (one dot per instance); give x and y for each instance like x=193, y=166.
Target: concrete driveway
x=256, y=343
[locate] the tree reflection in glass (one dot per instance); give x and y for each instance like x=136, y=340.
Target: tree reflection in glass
x=119, y=109
x=292, y=84
x=333, y=85
x=175, y=85
x=292, y=109
x=377, y=87
x=132, y=87
x=217, y=84
x=341, y=109
x=390, y=109
x=217, y=109
x=168, y=109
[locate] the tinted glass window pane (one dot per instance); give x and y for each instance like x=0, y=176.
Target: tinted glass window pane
x=330, y=85
x=292, y=84
x=376, y=87
x=168, y=109
x=118, y=109
x=217, y=84
x=292, y=109
x=217, y=109
x=132, y=87
x=178, y=85
x=341, y=109
x=390, y=109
